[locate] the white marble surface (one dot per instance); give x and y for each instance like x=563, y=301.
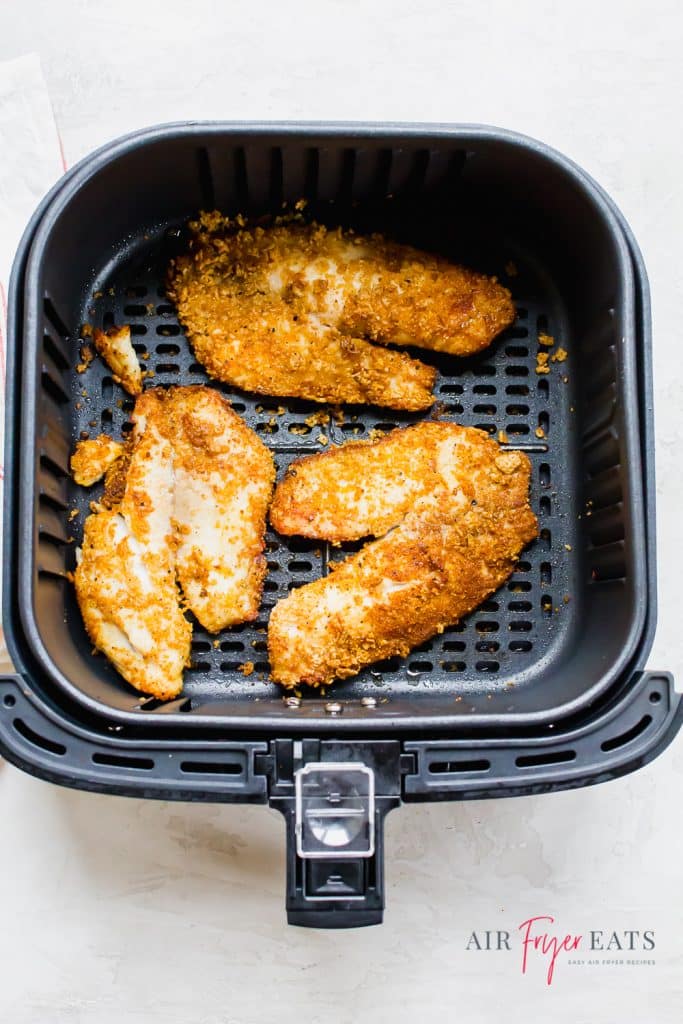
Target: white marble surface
x=118, y=909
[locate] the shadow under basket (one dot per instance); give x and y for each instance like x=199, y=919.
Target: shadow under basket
x=542, y=687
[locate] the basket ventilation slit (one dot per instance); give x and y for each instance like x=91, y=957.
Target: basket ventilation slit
x=346, y=178
x=43, y=742
x=451, y=767
x=546, y=757
x=123, y=761
x=241, y=182
x=311, y=174
x=205, y=178
x=276, y=186
x=54, y=318
x=628, y=736
x=210, y=768
x=56, y=353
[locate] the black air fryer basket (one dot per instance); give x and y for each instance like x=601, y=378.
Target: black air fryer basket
x=541, y=688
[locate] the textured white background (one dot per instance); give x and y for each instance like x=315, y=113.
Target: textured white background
x=116, y=909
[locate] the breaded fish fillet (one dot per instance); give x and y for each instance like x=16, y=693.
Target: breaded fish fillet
x=192, y=491
x=363, y=488
x=224, y=478
x=285, y=311
x=125, y=576
x=456, y=546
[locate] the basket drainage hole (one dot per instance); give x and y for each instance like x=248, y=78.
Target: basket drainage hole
x=9, y=700
x=655, y=697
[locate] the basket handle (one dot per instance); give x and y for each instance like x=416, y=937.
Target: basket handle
x=329, y=892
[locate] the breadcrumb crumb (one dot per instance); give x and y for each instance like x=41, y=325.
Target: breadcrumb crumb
x=92, y=458
x=87, y=356
x=542, y=363
x=116, y=348
x=317, y=419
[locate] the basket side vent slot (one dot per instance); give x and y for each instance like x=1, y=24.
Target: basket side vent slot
x=123, y=761
x=481, y=764
x=211, y=767
x=546, y=757
x=54, y=318
x=205, y=178
x=626, y=737
x=43, y=742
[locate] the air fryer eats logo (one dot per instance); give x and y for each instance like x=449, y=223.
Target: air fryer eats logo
x=539, y=940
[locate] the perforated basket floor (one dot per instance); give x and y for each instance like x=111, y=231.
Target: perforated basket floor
x=494, y=650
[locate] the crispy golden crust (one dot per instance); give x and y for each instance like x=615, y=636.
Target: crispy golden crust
x=188, y=499
x=125, y=577
x=93, y=458
x=283, y=310
x=116, y=348
x=394, y=594
x=364, y=488
x=258, y=344
x=116, y=476
x=224, y=478
x=460, y=514
x=129, y=602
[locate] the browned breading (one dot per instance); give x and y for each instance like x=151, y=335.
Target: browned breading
x=93, y=458
x=125, y=576
x=116, y=348
x=116, y=476
x=187, y=500
x=394, y=594
x=286, y=311
x=363, y=488
x=224, y=478
x=457, y=544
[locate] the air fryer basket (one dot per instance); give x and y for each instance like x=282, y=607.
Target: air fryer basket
x=560, y=647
